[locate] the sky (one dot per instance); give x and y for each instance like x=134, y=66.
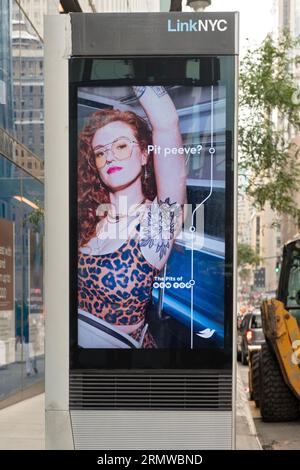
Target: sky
x=257, y=18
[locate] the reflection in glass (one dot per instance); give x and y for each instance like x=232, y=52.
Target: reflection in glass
x=21, y=280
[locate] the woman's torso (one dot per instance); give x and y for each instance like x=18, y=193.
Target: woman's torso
x=116, y=286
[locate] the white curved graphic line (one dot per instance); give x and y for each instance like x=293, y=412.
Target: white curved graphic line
x=212, y=151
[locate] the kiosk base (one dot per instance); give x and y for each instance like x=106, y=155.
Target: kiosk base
x=155, y=429
x=58, y=431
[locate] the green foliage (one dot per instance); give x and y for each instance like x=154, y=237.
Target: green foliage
x=270, y=96
x=246, y=255
x=245, y=275
x=35, y=218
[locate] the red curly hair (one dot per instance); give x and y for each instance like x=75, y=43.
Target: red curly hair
x=91, y=193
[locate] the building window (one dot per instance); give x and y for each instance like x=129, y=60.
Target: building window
x=297, y=19
x=286, y=13
x=257, y=234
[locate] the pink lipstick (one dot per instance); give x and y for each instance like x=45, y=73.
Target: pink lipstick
x=114, y=169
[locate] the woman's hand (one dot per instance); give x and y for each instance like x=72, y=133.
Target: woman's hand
x=158, y=106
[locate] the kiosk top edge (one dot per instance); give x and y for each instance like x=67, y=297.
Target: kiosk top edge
x=213, y=33
x=159, y=13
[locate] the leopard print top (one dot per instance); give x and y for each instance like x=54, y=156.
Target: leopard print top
x=117, y=286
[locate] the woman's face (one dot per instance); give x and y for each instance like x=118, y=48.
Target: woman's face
x=117, y=138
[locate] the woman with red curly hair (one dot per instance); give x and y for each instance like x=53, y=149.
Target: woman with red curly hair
x=129, y=210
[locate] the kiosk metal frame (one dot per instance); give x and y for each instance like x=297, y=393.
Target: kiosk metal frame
x=72, y=422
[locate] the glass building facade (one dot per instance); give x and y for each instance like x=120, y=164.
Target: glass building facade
x=21, y=206
x=22, y=188
x=6, y=89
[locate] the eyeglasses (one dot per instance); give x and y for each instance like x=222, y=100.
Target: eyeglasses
x=121, y=149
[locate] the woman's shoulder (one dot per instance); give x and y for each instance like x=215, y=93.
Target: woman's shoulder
x=91, y=248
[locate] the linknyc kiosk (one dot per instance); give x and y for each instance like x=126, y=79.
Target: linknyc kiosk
x=140, y=230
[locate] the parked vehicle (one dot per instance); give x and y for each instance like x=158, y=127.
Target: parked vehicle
x=250, y=335
x=274, y=372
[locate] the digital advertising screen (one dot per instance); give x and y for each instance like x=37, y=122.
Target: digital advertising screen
x=150, y=199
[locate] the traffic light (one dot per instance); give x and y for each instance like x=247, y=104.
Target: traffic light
x=277, y=267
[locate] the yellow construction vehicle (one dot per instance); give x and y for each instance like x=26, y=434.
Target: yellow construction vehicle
x=274, y=371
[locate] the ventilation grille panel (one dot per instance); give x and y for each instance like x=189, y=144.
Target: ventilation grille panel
x=202, y=391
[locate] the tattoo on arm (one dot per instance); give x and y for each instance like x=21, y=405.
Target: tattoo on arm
x=139, y=91
x=158, y=90
x=160, y=226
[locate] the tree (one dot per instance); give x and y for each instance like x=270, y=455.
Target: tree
x=269, y=115
x=247, y=258
x=246, y=255
x=35, y=218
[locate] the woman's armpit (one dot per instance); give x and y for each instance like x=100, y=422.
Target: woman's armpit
x=160, y=225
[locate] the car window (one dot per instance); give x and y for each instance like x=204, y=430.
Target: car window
x=244, y=322
x=256, y=321
x=294, y=280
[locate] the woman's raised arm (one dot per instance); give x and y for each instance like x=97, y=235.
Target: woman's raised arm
x=163, y=220
x=169, y=161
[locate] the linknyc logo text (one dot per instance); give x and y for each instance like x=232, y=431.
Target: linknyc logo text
x=200, y=25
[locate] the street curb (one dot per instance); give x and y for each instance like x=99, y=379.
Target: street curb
x=246, y=409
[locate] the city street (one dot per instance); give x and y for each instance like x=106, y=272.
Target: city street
x=273, y=436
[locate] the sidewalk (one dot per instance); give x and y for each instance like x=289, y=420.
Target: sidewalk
x=246, y=436
x=22, y=426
